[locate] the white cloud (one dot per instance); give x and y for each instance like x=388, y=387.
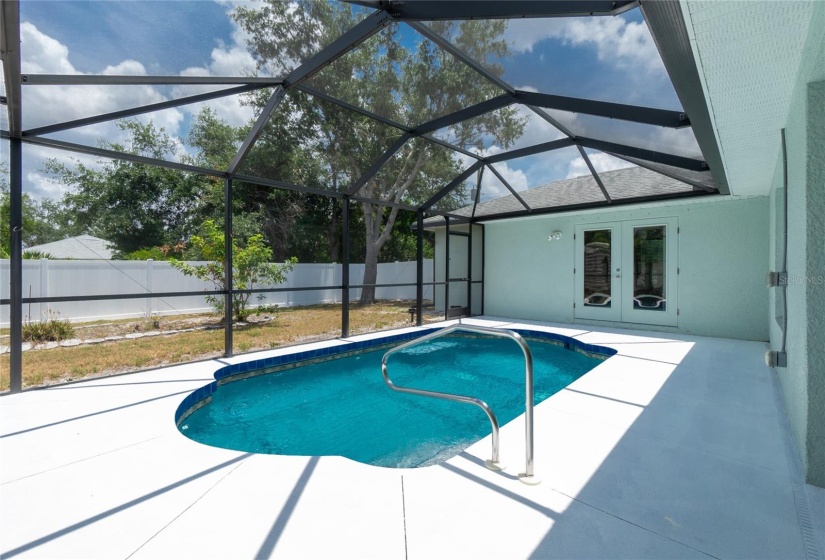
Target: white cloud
x=491, y=186
x=626, y=44
x=42, y=54
x=51, y=104
x=231, y=59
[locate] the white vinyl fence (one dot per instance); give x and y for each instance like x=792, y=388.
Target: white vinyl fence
x=63, y=278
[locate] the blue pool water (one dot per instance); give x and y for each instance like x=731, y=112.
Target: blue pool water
x=343, y=407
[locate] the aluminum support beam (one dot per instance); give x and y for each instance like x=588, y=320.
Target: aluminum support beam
x=465, y=114
x=461, y=55
x=452, y=185
x=453, y=147
x=595, y=175
x=419, y=270
x=431, y=10
x=553, y=122
x=368, y=27
x=228, y=327
x=326, y=56
x=16, y=265
x=620, y=111
x=376, y=167
x=354, y=108
x=531, y=150
x=257, y=129
x=140, y=110
x=446, y=267
x=125, y=156
x=509, y=188
x=477, y=194
x=345, y=248
x=666, y=22
x=665, y=172
x=10, y=54
x=111, y=80
x=642, y=153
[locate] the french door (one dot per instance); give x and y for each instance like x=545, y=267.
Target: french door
x=627, y=271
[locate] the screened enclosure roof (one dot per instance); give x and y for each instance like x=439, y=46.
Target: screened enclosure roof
x=519, y=132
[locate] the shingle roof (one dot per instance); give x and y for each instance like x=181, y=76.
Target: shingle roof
x=82, y=247
x=632, y=182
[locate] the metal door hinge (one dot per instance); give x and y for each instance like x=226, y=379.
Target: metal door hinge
x=677, y=312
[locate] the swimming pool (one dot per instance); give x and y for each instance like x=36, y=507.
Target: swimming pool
x=314, y=405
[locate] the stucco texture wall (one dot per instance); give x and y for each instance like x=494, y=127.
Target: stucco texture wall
x=723, y=255
x=803, y=381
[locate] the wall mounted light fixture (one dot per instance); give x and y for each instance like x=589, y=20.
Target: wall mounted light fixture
x=555, y=236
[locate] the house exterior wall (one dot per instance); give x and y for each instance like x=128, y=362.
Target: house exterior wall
x=723, y=255
x=803, y=381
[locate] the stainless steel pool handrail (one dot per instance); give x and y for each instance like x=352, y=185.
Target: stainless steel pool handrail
x=527, y=476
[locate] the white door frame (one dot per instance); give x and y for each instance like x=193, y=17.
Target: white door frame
x=622, y=307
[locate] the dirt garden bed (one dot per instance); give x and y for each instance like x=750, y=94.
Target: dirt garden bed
x=99, y=349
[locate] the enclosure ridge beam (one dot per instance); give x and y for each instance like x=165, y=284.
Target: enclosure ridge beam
x=620, y=111
x=10, y=54
x=531, y=150
x=671, y=175
x=595, y=175
x=354, y=108
x=451, y=185
x=257, y=129
x=461, y=55
x=465, y=114
x=140, y=110
x=509, y=187
x=119, y=80
x=642, y=153
x=362, y=31
x=376, y=167
x=432, y=10
x=112, y=154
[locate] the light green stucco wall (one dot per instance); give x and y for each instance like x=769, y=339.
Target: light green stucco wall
x=723, y=255
x=803, y=381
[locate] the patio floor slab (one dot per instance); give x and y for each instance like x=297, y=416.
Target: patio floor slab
x=677, y=447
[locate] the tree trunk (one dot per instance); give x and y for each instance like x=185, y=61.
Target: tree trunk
x=370, y=273
x=374, y=242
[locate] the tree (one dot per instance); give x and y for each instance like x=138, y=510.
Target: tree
x=407, y=85
x=130, y=204
x=40, y=218
x=251, y=267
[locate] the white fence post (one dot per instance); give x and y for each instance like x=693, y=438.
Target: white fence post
x=150, y=266
x=44, y=288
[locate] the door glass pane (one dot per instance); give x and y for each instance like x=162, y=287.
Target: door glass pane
x=597, y=247
x=649, y=268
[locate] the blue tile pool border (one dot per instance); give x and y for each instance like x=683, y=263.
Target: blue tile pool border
x=263, y=366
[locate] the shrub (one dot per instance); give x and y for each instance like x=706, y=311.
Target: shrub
x=51, y=330
x=251, y=267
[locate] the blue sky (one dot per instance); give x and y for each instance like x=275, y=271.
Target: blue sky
x=611, y=59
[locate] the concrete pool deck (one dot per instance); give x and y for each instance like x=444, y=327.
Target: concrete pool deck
x=676, y=447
